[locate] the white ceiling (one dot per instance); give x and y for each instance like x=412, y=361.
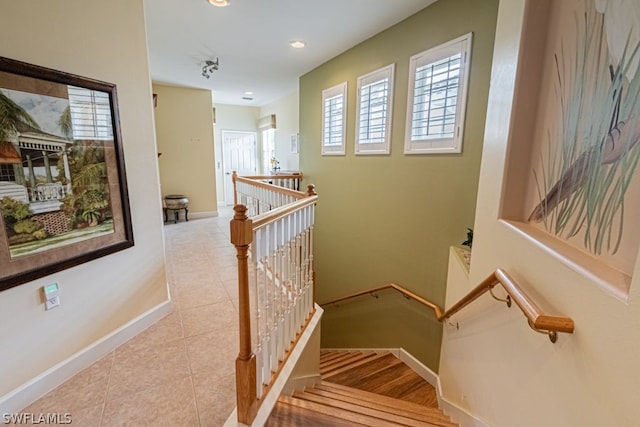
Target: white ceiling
x=251, y=39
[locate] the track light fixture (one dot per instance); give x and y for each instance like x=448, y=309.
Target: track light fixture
x=209, y=67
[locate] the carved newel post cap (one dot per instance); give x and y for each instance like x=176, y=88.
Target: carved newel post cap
x=240, y=212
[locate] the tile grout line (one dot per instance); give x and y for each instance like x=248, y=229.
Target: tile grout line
x=106, y=393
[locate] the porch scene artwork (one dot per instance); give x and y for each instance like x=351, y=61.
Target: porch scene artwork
x=62, y=185
x=585, y=184
x=53, y=186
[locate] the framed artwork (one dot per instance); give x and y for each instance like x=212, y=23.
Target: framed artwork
x=63, y=188
x=294, y=144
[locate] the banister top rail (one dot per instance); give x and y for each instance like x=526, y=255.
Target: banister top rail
x=537, y=319
x=276, y=188
x=407, y=293
x=272, y=215
x=279, y=176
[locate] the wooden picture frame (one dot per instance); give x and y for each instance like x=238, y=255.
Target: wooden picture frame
x=63, y=187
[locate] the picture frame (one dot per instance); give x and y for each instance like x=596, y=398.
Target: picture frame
x=63, y=187
x=295, y=149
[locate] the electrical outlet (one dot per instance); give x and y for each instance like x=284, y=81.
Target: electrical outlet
x=52, y=302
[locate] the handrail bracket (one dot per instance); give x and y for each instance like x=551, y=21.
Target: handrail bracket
x=506, y=300
x=553, y=335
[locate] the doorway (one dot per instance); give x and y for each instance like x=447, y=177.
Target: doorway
x=238, y=154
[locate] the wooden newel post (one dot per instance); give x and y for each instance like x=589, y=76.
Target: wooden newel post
x=311, y=190
x=241, y=237
x=234, y=175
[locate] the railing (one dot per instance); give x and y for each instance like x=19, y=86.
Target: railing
x=275, y=282
x=291, y=181
x=49, y=191
x=260, y=196
x=538, y=321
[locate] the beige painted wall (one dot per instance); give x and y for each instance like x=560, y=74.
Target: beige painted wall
x=392, y=218
x=287, y=118
x=232, y=117
x=99, y=296
x=184, y=129
x=495, y=366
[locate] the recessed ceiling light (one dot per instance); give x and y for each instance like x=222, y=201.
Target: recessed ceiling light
x=298, y=44
x=219, y=3
x=248, y=92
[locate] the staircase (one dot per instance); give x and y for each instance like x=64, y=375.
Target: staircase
x=367, y=389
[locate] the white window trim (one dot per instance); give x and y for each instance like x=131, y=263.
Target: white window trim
x=382, y=147
x=335, y=149
x=440, y=145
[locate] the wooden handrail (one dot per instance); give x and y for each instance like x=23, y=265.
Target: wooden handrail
x=281, y=176
x=436, y=309
x=537, y=319
x=256, y=183
x=274, y=214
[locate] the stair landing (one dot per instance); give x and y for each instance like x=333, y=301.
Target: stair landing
x=368, y=389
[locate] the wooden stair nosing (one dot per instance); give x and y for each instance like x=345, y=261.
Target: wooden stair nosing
x=341, y=356
x=354, y=357
x=287, y=415
x=333, y=355
x=379, y=406
x=339, y=368
x=385, y=400
x=338, y=412
x=360, y=409
x=392, y=361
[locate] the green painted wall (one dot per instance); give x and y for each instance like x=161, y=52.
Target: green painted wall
x=392, y=218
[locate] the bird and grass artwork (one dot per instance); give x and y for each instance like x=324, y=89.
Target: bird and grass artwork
x=589, y=158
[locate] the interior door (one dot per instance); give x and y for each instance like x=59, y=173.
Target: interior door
x=238, y=154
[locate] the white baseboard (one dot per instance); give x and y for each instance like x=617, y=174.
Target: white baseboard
x=427, y=374
x=457, y=414
x=200, y=215
x=29, y=392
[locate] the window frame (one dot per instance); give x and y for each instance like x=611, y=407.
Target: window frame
x=440, y=145
x=375, y=148
x=330, y=93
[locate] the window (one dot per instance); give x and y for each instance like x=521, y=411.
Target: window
x=269, y=150
x=334, y=113
x=437, y=98
x=90, y=114
x=7, y=173
x=375, y=92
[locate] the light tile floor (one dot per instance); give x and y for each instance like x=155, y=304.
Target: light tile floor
x=180, y=371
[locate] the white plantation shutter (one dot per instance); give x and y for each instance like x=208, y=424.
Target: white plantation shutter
x=437, y=97
x=375, y=94
x=90, y=114
x=334, y=107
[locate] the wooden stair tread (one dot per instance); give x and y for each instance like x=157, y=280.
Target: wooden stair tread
x=369, y=369
x=286, y=415
x=361, y=388
x=352, y=358
x=349, y=364
x=373, y=418
x=378, y=405
x=382, y=400
x=405, y=383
